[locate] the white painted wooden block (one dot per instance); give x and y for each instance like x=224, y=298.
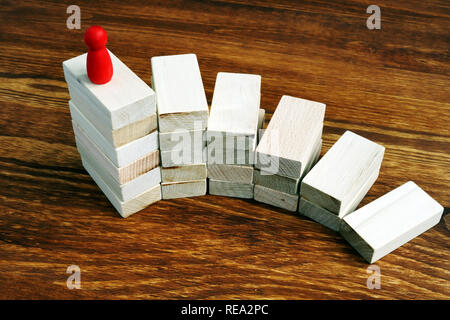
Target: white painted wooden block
x=281, y=183
x=336, y=179
x=235, y=108
x=123, y=100
x=183, y=189
x=123, y=174
x=181, y=100
x=276, y=198
x=121, y=156
x=182, y=139
x=125, y=208
x=328, y=218
x=184, y=173
x=230, y=189
x=390, y=221
x=232, y=173
x=289, y=140
x=175, y=158
x=129, y=190
x=118, y=137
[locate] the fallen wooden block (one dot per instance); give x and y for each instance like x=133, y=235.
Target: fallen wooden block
x=336, y=179
x=182, y=139
x=176, y=158
x=288, y=143
x=123, y=100
x=123, y=174
x=118, y=137
x=390, y=221
x=281, y=183
x=129, y=190
x=235, y=109
x=183, y=189
x=184, y=173
x=125, y=208
x=330, y=219
x=231, y=189
x=181, y=99
x=276, y=198
x=231, y=173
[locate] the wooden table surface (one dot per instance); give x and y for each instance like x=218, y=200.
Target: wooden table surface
x=389, y=85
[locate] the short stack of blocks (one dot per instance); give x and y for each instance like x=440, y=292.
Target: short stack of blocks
x=116, y=134
x=232, y=134
x=289, y=147
x=182, y=117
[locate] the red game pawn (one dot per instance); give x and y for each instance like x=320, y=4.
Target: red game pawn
x=99, y=66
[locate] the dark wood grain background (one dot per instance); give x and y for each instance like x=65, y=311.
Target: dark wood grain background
x=389, y=85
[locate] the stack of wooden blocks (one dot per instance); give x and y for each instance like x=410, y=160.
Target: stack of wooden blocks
x=232, y=134
x=116, y=134
x=340, y=180
x=290, y=146
x=183, y=118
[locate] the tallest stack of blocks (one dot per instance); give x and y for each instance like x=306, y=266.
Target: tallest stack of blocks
x=116, y=134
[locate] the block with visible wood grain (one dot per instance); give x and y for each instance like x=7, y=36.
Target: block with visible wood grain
x=235, y=109
x=126, y=102
x=276, y=198
x=291, y=137
x=184, y=173
x=120, y=156
x=181, y=100
x=330, y=219
x=390, y=221
x=231, y=189
x=334, y=182
x=125, y=208
x=121, y=174
x=183, y=189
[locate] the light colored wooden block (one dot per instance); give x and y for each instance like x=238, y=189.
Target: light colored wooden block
x=390, y=221
x=182, y=140
x=230, y=189
x=129, y=190
x=175, y=158
x=181, y=100
x=232, y=173
x=121, y=156
x=276, y=198
x=281, y=183
x=121, y=136
x=183, y=189
x=228, y=152
x=288, y=142
x=123, y=100
x=125, y=208
x=328, y=218
x=184, y=173
x=235, y=108
x=121, y=175
x=336, y=179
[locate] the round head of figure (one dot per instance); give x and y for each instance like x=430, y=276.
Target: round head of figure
x=95, y=37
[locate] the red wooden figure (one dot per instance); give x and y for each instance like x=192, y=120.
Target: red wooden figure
x=99, y=66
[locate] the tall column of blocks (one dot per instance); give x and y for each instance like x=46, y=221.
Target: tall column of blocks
x=116, y=134
x=232, y=134
x=183, y=118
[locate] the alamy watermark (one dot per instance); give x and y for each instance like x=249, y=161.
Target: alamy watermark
x=74, y=20
x=74, y=280
x=374, y=279
x=374, y=21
